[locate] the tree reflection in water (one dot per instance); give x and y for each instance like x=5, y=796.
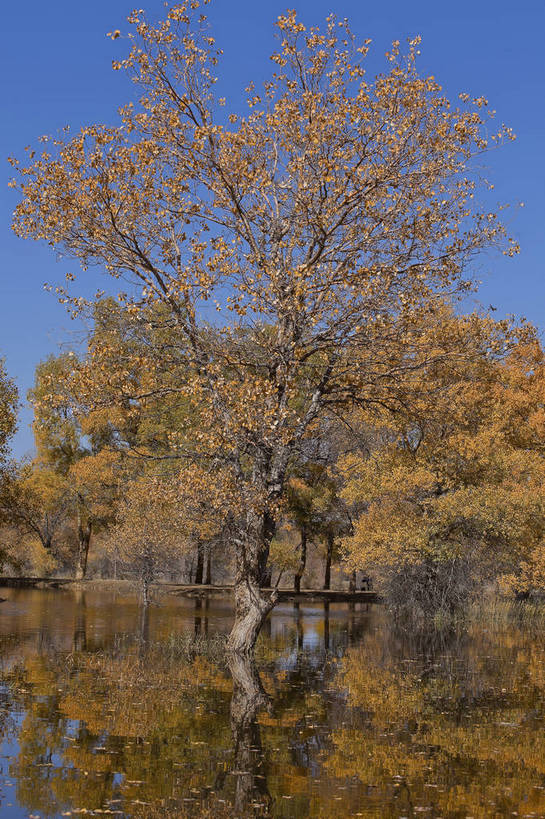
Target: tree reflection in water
x=201, y=616
x=147, y=724
x=80, y=621
x=250, y=770
x=103, y=709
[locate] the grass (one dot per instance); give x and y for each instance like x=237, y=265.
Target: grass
x=500, y=611
x=187, y=646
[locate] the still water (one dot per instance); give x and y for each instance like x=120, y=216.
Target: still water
x=106, y=712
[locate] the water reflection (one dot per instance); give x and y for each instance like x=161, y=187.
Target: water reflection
x=201, y=616
x=250, y=769
x=80, y=621
x=105, y=706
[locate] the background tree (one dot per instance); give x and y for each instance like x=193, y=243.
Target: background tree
x=150, y=530
x=36, y=501
x=326, y=223
x=79, y=449
x=300, y=502
x=454, y=496
x=317, y=511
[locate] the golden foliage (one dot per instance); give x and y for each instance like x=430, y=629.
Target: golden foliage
x=322, y=225
x=462, y=471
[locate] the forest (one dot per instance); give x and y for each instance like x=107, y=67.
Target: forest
x=290, y=387
x=435, y=500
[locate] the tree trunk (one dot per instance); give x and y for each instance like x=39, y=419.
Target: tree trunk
x=268, y=532
x=200, y=563
x=147, y=576
x=84, y=539
x=352, y=582
x=145, y=590
x=251, y=609
x=251, y=604
x=328, y=559
x=302, y=561
x=208, y=567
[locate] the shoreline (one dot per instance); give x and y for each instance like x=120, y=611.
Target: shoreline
x=185, y=589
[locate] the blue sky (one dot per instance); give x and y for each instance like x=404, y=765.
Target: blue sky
x=55, y=63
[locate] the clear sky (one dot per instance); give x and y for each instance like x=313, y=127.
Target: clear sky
x=55, y=64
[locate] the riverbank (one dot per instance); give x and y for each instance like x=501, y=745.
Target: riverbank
x=185, y=589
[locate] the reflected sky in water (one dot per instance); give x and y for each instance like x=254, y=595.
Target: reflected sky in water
x=109, y=710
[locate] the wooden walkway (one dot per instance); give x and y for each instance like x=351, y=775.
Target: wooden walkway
x=332, y=595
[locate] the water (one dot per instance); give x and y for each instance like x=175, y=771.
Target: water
x=103, y=712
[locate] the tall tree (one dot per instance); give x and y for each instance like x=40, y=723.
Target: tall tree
x=325, y=223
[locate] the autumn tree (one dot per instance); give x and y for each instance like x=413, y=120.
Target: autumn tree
x=300, y=500
x=317, y=511
x=322, y=225
x=105, y=444
x=150, y=530
x=36, y=501
x=520, y=421
x=454, y=494
x=79, y=449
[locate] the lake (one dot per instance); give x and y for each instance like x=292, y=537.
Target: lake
x=106, y=710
